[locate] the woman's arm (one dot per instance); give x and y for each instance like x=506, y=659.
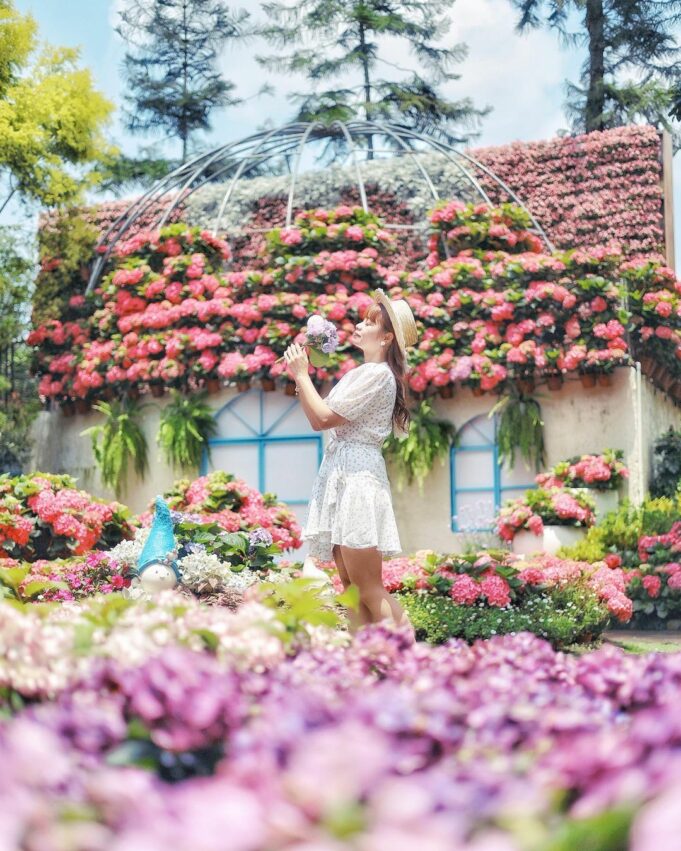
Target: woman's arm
x=319, y=414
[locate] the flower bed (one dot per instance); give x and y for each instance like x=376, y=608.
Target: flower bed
x=603, y=472
x=367, y=743
x=46, y=516
x=540, y=507
x=169, y=316
x=644, y=543
x=486, y=594
x=220, y=498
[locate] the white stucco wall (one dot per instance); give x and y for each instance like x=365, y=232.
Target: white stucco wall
x=577, y=420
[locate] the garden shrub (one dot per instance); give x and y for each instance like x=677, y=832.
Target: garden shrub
x=563, y=616
x=621, y=530
x=667, y=464
x=45, y=516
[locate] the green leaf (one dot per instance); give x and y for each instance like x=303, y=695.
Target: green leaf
x=209, y=638
x=12, y=577
x=318, y=358
x=33, y=589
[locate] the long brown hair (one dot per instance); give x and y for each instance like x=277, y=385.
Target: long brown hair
x=397, y=363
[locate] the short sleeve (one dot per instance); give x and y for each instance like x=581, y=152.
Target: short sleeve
x=356, y=393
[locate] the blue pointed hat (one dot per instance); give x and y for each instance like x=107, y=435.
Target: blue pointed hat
x=161, y=541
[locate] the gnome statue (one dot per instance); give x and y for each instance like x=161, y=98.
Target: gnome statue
x=156, y=566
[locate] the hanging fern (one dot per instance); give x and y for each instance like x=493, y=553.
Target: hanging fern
x=187, y=424
x=118, y=442
x=429, y=440
x=520, y=429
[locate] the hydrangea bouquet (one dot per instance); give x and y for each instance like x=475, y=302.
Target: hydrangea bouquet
x=321, y=340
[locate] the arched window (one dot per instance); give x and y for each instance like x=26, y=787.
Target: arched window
x=479, y=485
x=266, y=440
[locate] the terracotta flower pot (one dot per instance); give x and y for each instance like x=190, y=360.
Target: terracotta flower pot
x=243, y=384
x=477, y=391
x=647, y=365
x=525, y=385
x=157, y=390
x=447, y=391
x=290, y=388
x=134, y=393
x=267, y=384
x=108, y=394
x=67, y=408
x=82, y=406
x=605, y=379
x=554, y=382
x=588, y=379
x=668, y=382
x=658, y=373
x=213, y=385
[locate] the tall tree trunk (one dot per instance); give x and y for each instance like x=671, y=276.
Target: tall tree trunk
x=185, y=85
x=367, y=86
x=595, y=99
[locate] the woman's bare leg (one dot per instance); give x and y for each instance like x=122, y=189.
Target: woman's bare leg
x=361, y=615
x=365, y=570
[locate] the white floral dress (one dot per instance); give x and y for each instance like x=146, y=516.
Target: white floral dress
x=351, y=501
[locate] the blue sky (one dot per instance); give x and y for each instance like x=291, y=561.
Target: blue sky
x=521, y=77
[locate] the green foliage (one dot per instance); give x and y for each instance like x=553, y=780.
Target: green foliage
x=621, y=530
x=233, y=547
x=119, y=442
x=632, y=71
x=122, y=174
x=300, y=603
x=13, y=589
x=605, y=831
x=51, y=117
x=667, y=464
x=16, y=268
x=331, y=40
x=172, y=69
x=66, y=241
x=520, y=428
x=18, y=411
x=562, y=616
x=19, y=403
x=429, y=440
x=187, y=424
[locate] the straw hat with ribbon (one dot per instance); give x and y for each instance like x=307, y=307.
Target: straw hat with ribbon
x=401, y=318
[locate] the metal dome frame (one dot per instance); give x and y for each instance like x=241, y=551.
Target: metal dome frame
x=235, y=160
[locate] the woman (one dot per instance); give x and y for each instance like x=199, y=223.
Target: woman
x=351, y=517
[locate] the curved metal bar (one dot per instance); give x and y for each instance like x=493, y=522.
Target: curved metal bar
x=263, y=145
x=353, y=153
x=294, y=175
x=510, y=192
x=236, y=176
x=133, y=212
x=447, y=151
x=180, y=195
x=426, y=176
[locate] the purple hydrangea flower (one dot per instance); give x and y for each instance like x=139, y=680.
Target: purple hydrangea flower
x=259, y=536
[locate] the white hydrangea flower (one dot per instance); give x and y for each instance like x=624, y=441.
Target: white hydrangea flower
x=203, y=571
x=410, y=178
x=127, y=553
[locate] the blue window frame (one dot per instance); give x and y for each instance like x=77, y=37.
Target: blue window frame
x=479, y=484
x=265, y=439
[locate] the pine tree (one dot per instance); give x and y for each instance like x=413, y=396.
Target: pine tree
x=345, y=37
x=633, y=62
x=171, y=69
